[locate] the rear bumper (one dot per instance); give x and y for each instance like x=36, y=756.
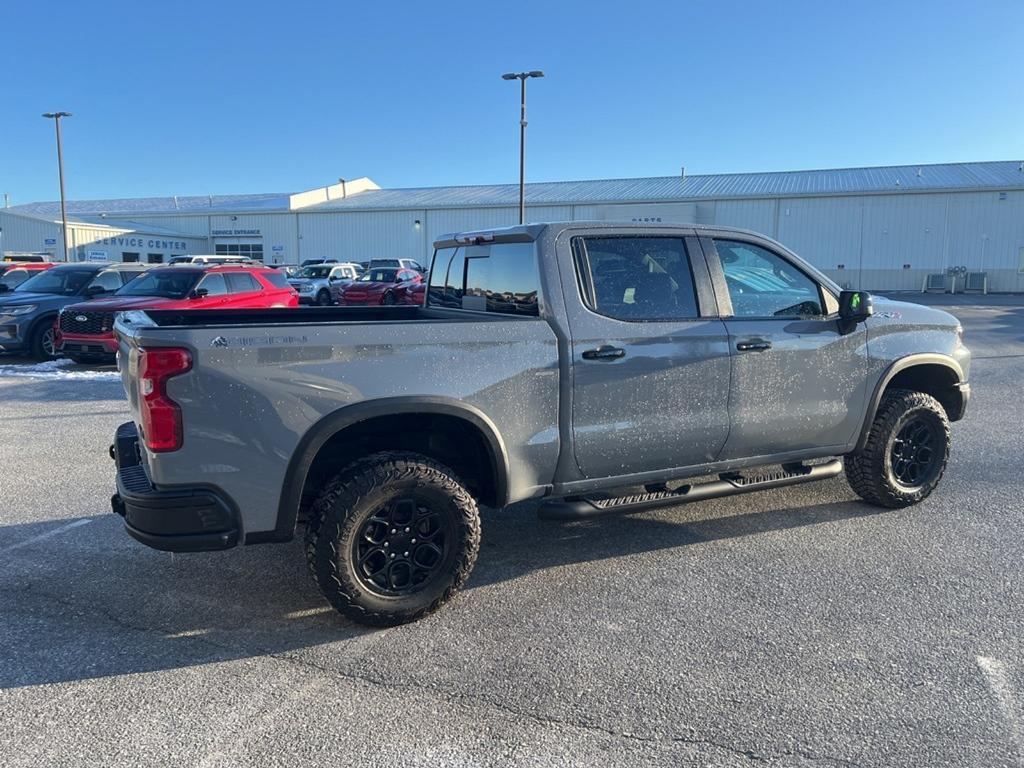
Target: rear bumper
x=178, y=519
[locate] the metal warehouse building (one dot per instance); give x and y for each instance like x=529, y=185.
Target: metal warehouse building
x=875, y=228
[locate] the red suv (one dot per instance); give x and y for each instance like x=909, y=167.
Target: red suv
x=14, y=273
x=85, y=330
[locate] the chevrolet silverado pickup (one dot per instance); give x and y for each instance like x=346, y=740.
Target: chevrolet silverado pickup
x=599, y=368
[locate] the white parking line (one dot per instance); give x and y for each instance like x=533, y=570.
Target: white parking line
x=47, y=535
x=306, y=612
x=999, y=684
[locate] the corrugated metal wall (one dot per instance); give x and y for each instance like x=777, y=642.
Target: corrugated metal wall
x=986, y=234
x=758, y=215
x=21, y=233
x=361, y=236
x=886, y=241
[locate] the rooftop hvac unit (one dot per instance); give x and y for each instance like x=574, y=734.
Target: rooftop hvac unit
x=976, y=282
x=934, y=283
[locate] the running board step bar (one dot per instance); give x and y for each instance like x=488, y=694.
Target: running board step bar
x=729, y=484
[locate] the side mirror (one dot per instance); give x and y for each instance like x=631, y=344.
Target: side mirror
x=4, y=287
x=198, y=293
x=855, y=307
x=95, y=290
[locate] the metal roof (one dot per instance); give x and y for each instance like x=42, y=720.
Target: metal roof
x=1006, y=174
x=269, y=201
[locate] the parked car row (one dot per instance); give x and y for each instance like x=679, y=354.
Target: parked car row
x=48, y=310
x=383, y=281
x=84, y=332
x=379, y=285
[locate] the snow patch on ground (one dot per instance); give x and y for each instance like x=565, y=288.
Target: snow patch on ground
x=58, y=369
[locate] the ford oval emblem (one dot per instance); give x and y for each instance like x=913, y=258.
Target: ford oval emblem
x=81, y=319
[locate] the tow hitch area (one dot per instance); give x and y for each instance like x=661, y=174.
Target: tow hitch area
x=728, y=484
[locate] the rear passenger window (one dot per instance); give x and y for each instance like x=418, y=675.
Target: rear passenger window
x=214, y=284
x=241, y=282
x=636, y=278
x=277, y=279
x=502, y=278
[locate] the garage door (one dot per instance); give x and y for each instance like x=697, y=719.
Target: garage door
x=251, y=247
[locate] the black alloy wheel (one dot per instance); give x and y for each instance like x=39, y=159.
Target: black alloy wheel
x=913, y=453
x=401, y=547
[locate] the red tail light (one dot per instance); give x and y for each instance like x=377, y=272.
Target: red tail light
x=161, y=416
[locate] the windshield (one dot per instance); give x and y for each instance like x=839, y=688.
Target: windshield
x=60, y=282
x=379, y=276
x=164, y=283
x=315, y=272
x=14, y=277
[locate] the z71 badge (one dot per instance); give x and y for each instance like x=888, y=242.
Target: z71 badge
x=257, y=341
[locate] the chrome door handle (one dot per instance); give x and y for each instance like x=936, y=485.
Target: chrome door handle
x=753, y=345
x=604, y=353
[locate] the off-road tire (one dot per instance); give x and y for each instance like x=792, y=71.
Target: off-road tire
x=36, y=341
x=314, y=514
x=358, y=493
x=869, y=471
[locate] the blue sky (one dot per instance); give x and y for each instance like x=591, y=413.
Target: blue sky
x=224, y=97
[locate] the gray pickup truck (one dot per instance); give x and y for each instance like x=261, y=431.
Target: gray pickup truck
x=602, y=368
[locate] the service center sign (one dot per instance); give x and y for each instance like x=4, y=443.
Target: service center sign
x=145, y=242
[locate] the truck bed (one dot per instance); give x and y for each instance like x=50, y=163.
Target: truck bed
x=233, y=318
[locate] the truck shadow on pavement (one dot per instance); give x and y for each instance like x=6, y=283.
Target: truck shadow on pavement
x=91, y=603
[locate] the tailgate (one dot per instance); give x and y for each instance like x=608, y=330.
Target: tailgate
x=126, y=332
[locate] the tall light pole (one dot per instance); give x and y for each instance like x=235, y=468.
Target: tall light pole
x=56, y=116
x=522, y=77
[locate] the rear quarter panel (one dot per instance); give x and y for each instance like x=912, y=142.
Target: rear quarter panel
x=254, y=392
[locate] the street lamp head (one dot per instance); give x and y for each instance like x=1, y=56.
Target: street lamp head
x=52, y=115
x=522, y=75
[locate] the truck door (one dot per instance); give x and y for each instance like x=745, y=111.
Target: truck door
x=650, y=358
x=798, y=381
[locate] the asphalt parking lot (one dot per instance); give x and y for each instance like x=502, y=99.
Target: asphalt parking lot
x=795, y=627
